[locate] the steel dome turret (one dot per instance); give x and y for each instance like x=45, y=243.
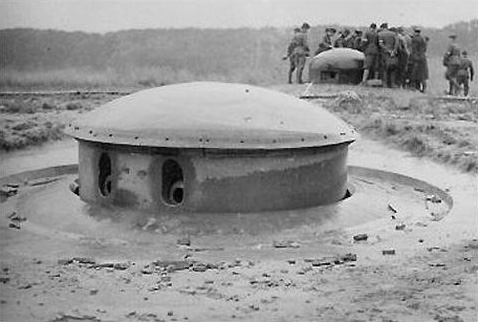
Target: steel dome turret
x=211, y=147
x=212, y=115
x=339, y=65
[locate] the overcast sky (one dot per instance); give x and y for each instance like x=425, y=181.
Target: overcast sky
x=112, y=15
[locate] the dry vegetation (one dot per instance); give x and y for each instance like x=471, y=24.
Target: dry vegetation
x=437, y=128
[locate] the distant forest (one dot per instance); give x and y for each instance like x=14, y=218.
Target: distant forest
x=243, y=54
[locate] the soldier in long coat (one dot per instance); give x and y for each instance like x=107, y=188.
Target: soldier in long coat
x=297, y=52
x=418, y=57
x=372, y=53
x=451, y=60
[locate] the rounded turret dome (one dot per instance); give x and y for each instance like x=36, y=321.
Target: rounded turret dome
x=212, y=115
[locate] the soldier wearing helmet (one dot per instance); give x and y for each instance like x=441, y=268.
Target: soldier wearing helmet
x=297, y=52
x=465, y=73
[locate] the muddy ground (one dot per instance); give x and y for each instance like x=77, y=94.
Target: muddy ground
x=426, y=270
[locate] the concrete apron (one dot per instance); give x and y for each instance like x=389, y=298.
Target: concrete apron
x=59, y=224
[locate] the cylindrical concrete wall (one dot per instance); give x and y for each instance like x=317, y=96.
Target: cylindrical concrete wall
x=211, y=180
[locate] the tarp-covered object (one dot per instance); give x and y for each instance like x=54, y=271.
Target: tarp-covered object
x=342, y=65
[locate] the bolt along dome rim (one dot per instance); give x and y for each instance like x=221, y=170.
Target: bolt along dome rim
x=212, y=115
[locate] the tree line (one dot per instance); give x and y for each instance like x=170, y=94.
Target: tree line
x=200, y=51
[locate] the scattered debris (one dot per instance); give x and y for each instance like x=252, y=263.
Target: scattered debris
x=65, y=261
x=440, y=249
x=400, y=226
x=392, y=208
x=4, y=279
x=433, y=199
x=15, y=217
x=436, y=264
x=14, y=225
x=332, y=260
x=360, y=237
x=8, y=190
x=285, y=244
x=122, y=266
x=388, y=252
x=185, y=241
x=199, y=267
x=204, y=249
x=84, y=260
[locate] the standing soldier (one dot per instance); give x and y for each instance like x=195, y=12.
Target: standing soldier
x=418, y=57
x=388, y=42
x=465, y=73
x=342, y=39
x=326, y=43
x=371, y=50
x=357, y=40
x=403, y=54
x=297, y=52
x=451, y=60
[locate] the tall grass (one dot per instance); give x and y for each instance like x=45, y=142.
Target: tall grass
x=123, y=78
x=73, y=79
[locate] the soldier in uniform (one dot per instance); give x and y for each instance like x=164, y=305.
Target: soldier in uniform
x=343, y=39
x=371, y=50
x=465, y=73
x=419, y=74
x=326, y=43
x=297, y=52
x=403, y=55
x=451, y=60
x=388, y=42
x=356, y=40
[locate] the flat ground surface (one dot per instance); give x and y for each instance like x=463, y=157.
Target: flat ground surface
x=53, y=271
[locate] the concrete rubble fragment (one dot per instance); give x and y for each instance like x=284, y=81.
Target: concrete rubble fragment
x=360, y=237
x=400, y=226
x=285, y=244
x=388, y=252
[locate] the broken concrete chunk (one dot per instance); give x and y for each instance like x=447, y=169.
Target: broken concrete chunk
x=349, y=257
x=122, y=265
x=14, y=225
x=16, y=217
x=433, y=198
x=392, y=208
x=84, y=260
x=388, y=252
x=199, y=267
x=322, y=262
x=360, y=237
x=285, y=244
x=400, y=226
x=437, y=264
x=65, y=261
x=185, y=241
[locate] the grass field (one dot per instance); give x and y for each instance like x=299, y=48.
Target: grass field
x=126, y=78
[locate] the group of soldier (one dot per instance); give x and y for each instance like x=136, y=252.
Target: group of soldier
x=392, y=56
